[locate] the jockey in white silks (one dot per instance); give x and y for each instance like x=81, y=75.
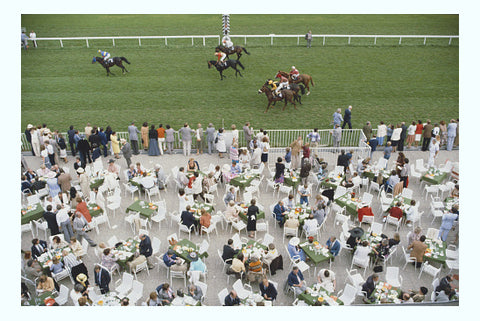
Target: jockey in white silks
x=294, y=73
x=283, y=85
x=227, y=42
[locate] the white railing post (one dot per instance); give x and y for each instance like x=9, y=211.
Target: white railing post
x=139, y=42
x=324, y=40
x=165, y=41
x=349, y=40
x=425, y=41
x=271, y=41
x=61, y=43
x=450, y=41
x=204, y=41
x=113, y=40
x=192, y=41
x=400, y=41
x=88, y=46
x=375, y=41
x=298, y=41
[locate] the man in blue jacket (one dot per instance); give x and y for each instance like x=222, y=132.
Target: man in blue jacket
x=103, y=141
x=102, y=279
x=232, y=299
x=279, y=211
x=347, y=117
x=146, y=250
x=295, y=279
x=333, y=245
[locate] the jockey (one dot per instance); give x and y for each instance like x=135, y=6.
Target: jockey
x=283, y=85
x=105, y=55
x=227, y=42
x=294, y=73
x=273, y=84
x=220, y=57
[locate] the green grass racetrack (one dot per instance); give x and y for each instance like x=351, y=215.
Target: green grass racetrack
x=172, y=84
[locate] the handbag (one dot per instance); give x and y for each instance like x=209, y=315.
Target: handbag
x=216, y=140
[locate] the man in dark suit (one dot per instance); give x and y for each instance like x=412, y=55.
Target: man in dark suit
x=187, y=217
x=232, y=299
x=295, y=279
x=228, y=251
x=83, y=148
x=403, y=136
x=267, y=290
x=347, y=117
x=342, y=160
x=38, y=247
x=103, y=141
x=369, y=285
x=71, y=140
x=102, y=279
x=51, y=219
x=146, y=249
x=427, y=135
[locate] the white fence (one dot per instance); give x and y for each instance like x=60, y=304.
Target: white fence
x=245, y=37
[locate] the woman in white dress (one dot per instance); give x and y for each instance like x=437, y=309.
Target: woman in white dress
x=84, y=181
x=35, y=141
x=221, y=147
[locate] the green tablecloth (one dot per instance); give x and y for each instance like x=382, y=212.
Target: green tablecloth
x=45, y=260
x=385, y=291
x=243, y=180
x=405, y=203
x=292, y=179
x=373, y=176
x=332, y=182
x=436, y=248
x=184, y=253
x=145, y=210
x=96, y=183
x=129, y=247
x=94, y=209
x=434, y=176
x=198, y=206
x=250, y=245
x=310, y=299
x=316, y=258
x=346, y=201
x=40, y=299
x=34, y=213
x=449, y=202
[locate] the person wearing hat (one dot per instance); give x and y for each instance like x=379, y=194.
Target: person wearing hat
x=113, y=168
x=82, y=279
x=83, y=181
x=295, y=250
x=126, y=151
x=292, y=222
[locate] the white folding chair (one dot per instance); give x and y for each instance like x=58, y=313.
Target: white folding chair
x=136, y=293
x=393, y=276
x=140, y=267
x=348, y=294
x=429, y=269
x=124, y=285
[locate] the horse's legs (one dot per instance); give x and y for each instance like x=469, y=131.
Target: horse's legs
x=221, y=74
x=268, y=106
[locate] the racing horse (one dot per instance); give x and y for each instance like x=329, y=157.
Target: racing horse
x=287, y=95
x=296, y=88
x=302, y=78
x=227, y=64
x=236, y=50
x=115, y=61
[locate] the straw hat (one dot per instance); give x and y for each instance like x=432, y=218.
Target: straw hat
x=29, y=126
x=80, y=170
x=193, y=256
x=294, y=241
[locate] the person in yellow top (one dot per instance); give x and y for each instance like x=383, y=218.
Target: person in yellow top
x=115, y=144
x=220, y=56
x=45, y=283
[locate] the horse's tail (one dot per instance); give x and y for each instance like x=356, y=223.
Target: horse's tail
x=245, y=50
x=302, y=88
x=311, y=79
x=240, y=64
x=125, y=59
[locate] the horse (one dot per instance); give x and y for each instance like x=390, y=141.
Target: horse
x=296, y=88
x=287, y=95
x=222, y=66
x=302, y=78
x=116, y=61
x=237, y=50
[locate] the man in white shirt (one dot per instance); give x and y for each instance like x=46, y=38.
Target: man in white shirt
x=381, y=133
x=182, y=177
x=289, y=202
x=434, y=149
x=310, y=225
x=33, y=36
x=326, y=279
x=64, y=223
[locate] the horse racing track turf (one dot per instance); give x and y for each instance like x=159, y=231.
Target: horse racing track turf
x=172, y=84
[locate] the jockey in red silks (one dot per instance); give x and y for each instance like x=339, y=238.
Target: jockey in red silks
x=220, y=57
x=294, y=73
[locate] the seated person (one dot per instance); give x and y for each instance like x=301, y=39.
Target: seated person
x=419, y=296
x=205, y=218
x=280, y=213
x=294, y=249
x=57, y=266
x=131, y=172
x=230, y=195
x=395, y=211
x=353, y=241
x=310, y=225
x=232, y=211
x=139, y=169
x=369, y=286
x=395, y=240
x=26, y=185
x=362, y=165
x=322, y=172
x=187, y=217
x=217, y=174
x=267, y=290
x=165, y=294
x=244, y=158
x=347, y=183
x=160, y=176
x=381, y=251
x=289, y=202
x=196, y=263
x=192, y=166
x=295, y=279
x=456, y=191
x=238, y=265
x=175, y=264
x=31, y=175
x=319, y=213
x=364, y=210
x=179, y=300
x=270, y=254
x=232, y=299
x=195, y=292
x=183, y=200
x=76, y=247
x=38, y=248
x=393, y=180
x=411, y=213
x=333, y=245
x=113, y=168
x=58, y=243
x=83, y=209
x=255, y=269
x=45, y=283
x=182, y=177
x=235, y=169
x=292, y=222
x=229, y=252
x=326, y=279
